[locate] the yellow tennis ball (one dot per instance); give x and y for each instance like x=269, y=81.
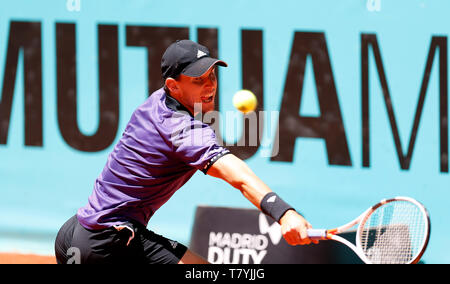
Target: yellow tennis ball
x=245, y=101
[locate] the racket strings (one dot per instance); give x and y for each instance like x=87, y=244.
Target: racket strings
x=393, y=233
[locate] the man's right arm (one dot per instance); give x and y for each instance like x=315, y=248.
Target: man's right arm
x=237, y=173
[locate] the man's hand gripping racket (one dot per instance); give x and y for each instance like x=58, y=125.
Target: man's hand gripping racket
x=394, y=231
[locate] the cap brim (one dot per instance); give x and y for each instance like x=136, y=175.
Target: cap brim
x=202, y=65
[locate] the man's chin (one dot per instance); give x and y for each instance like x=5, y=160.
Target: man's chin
x=204, y=107
x=207, y=107
x=208, y=110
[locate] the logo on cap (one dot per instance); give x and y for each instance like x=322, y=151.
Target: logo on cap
x=200, y=54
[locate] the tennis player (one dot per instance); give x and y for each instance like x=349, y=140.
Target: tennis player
x=162, y=147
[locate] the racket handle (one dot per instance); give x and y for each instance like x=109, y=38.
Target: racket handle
x=317, y=234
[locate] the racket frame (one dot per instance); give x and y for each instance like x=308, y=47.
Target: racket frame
x=322, y=234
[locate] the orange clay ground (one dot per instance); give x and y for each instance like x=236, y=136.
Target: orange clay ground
x=15, y=258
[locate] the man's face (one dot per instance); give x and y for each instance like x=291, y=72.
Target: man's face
x=198, y=90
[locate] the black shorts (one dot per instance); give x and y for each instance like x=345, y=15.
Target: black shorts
x=130, y=244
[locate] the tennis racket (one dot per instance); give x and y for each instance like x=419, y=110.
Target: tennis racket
x=394, y=231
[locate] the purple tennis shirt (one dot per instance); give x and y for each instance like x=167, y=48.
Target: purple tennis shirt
x=160, y=150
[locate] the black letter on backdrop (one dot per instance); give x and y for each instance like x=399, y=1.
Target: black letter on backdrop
x=252, y=79
x=405, y=160
x=155, y=40
x=108, y=57
x=23, y=37
x=328, y=125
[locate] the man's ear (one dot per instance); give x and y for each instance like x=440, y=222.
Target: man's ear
x=172, y=85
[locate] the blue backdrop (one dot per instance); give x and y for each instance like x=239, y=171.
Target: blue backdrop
x=373, y=48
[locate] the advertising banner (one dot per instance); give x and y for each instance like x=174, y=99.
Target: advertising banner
x=352, y=105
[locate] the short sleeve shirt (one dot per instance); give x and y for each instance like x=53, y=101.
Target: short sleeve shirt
x=162, y=147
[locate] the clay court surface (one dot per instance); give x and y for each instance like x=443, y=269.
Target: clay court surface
x=15, y=258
